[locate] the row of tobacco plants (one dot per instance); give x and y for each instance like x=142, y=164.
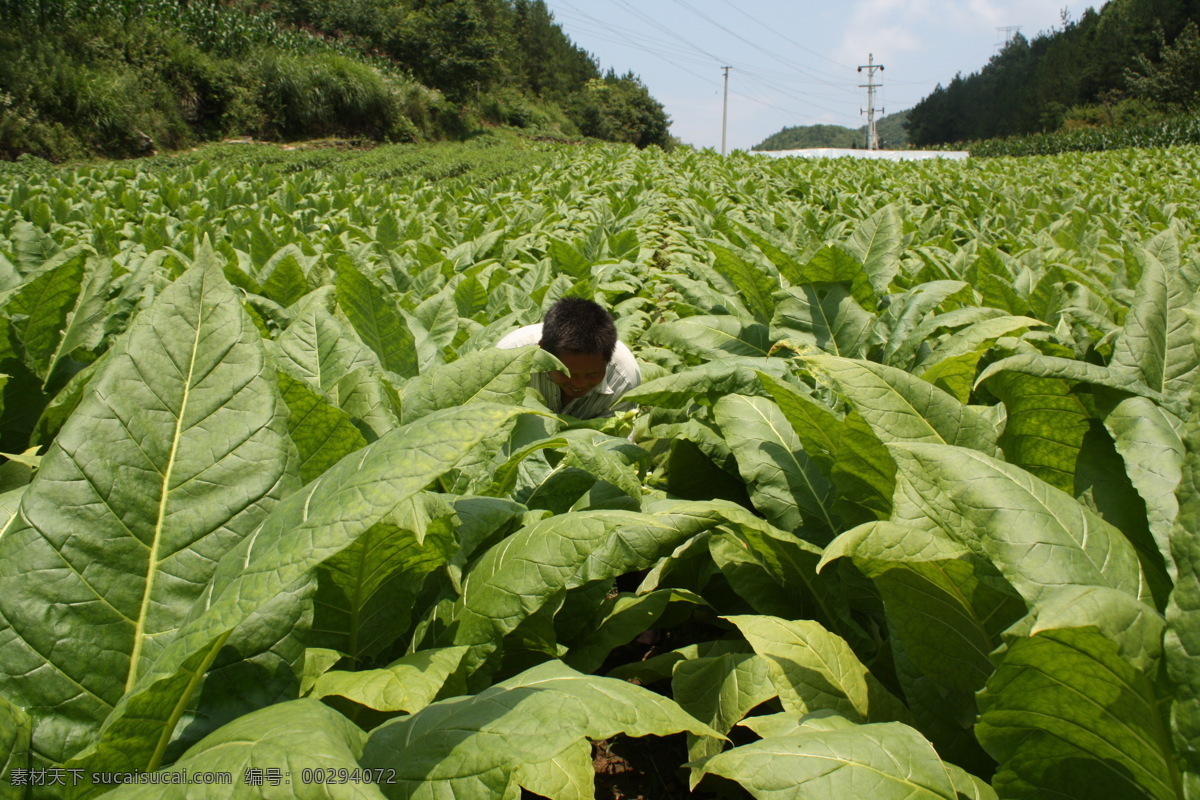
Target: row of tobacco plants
x=910, y=502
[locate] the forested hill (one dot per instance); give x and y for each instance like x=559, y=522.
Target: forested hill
x=1129, y=61
x=125, y=77
x=890, y=128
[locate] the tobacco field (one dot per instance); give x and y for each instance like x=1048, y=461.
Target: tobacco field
x=910, y=507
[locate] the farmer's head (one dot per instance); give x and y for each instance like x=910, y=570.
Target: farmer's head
x=581, y=335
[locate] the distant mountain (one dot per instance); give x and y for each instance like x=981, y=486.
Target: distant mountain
x=800, y=137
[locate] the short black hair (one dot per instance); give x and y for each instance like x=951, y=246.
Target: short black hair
x=575, y=325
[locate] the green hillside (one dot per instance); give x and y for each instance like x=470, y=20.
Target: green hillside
x=891, y=135
x=80, y=78
x=1129, y=63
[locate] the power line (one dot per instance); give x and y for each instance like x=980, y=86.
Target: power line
x=627, y=37
x=672, y=48
x=757, y=45
x=790, y=41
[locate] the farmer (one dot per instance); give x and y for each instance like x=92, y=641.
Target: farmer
x=581, y=335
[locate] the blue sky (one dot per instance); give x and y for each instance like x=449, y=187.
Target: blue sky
x=794, y=63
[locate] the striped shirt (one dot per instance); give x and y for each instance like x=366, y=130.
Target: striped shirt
x=622, y=375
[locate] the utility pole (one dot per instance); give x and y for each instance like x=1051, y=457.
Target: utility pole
x=870, y=67
x=1008, y=31
x=725, y=109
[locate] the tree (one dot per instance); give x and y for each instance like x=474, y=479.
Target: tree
x=620, y=110
x=1173, y=82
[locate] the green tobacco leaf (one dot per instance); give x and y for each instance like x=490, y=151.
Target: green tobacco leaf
x=784, y=262
x=611, y=459
x=903, y=408
x=474, y=748
x=878, y=242
x=1045, y=427
x=408, y=685
x=955, y=375
x=366, y=592
x=145, y=489
x=883, y=761
x=774, y=571
x=493, y=376
x=31, y=247
x=712, y=337
x=905, y=314
x=569, y=551
x=86, y=317
x=15, y=735
x=1134, y=627
x=719, y=691
x=946, y=606
x=620, y=619
x=259, y=664
x=307, y=528
x=835, y=265
x=318, y=348
x=979, y=335
x=815, y=670
x=317, y=661
x=1066, y=716
x=285, y=743
x=376, y=319
x=1182, y=641
x=1148, y=439
x=1037, y=536
x=855, y=459
x=827, y=316
x=41, y=308
x=439, y=316
x=1156, y=343
x=788, y=722
x=1043, y=366
x=785, y=484
x=370, y=401
x=708, y=382
x=754, y=283
x=568, y=775
x=322, y=432
x=287, y=283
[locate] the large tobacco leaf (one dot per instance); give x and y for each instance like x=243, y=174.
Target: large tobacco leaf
x=1156, y=344
x=1149, y=439
x=306, y=529
x=1066, y=715
x=365, y=593
x=376, y=319
x=856, y=460
x=511, y=734
x=720, y=690
x=537, y=565
x=785, y=484
x=885, y=761
x=815, y=670
x=1182, y=640
x=16, y=730
x=903, y=408
x=826, y=316
x=282, y=743
x=947, y=606
x=177, y=453
x=407, y=684
x=1038, y=537
x=878, y=242
x=713, y=337
x=494, y=376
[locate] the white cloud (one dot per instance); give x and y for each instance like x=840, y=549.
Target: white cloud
x=919, y=34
